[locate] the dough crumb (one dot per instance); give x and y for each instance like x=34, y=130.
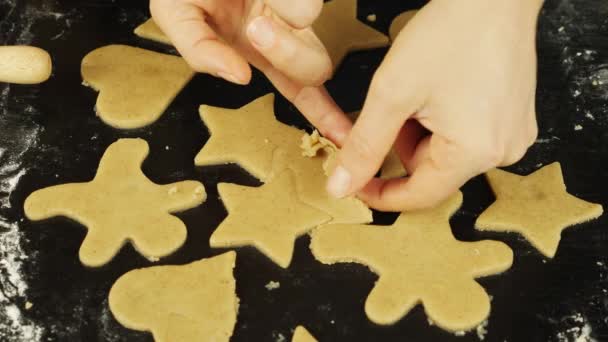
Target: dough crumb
x=332, y=322
x=313, y=143
x=278, y=337
x=590, y=116
x=372, y=18
x=153, y=259
x=199, y=190
x=167, y=148
x=459, y=333
x=599, y=263
x=482, y=330
x=28, y=305
x=561, y=29
x=172, y=190
x=272, y=285
x=578, y=127
x=431, y=323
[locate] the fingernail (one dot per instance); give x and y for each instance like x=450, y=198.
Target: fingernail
x=260, y=31
x=339, y=183
x=228, y=77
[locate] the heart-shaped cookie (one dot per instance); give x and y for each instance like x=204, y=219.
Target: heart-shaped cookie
x=135, y=85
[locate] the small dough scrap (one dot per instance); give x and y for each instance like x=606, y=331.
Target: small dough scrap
x=311, y=180
x=269, y=218
x=149, y=30
x=400, y=22
x=247, y=136
x=537, y=206
x=194, y=302
x=418, y=260
x=302, y=335
x=24, y=65
x=341, y=32
x=253, y=138
x=121, y=204
x=135, y=86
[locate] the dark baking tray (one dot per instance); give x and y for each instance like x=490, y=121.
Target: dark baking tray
x=537, y=300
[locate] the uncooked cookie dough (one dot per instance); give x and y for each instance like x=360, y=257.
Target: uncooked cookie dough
x=252, y=138
x=536, y=206
x=269, y=218
x=302, y=335
x=121, y=205
x=341, y=32
x=418, y=261
x=247, y=136
x=135, y=86
x=149, y=30
x=399, y=23
x=24, y=65
x=194, y=302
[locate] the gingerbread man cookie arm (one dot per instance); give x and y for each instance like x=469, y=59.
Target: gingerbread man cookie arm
x=387, y=303
x=98, y=248
x=49, y=202
x=337, y=243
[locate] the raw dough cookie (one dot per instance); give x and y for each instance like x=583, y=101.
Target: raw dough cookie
x=24, y=65
x=247, y=136
x=418, y=261
x=399, y=23
x=194, y=302
x=120, y=204
x=252, y=138
x=269, y=218
x=149, y=30
x=135, y=86
x=341, y=32
x=302, y=335
x=536, y=206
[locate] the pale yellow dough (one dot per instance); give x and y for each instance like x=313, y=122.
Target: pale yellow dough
x=536, y=206
x=269, y=218
x=135, y=86
x=400, y=22
x=191, y=303
x=418, y=261
x=121, y=205
x=341, y=32
x=252, y=138
x=149, y=30
x=24, y=65
x=302, y=335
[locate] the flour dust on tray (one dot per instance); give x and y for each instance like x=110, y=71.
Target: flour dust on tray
x=14, y=144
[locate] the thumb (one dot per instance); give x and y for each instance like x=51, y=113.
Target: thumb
x=370, y=140
x=439, y=170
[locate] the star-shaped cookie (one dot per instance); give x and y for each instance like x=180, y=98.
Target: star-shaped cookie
x=341, y=32
x=135, y=85
x=418, y=260
x=269, y=218
x=302, y=335
x=121, y=205
x=149, y=30
x=536, y=206
x=247, y=136
x=194, y=302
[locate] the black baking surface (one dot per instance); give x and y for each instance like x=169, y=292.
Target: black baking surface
x=51, y=135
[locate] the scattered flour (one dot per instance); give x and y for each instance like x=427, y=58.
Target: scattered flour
x=579, y=329
x=578, y=127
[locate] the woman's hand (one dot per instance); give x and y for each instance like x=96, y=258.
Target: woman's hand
x=456, y=97
x=221, y=37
